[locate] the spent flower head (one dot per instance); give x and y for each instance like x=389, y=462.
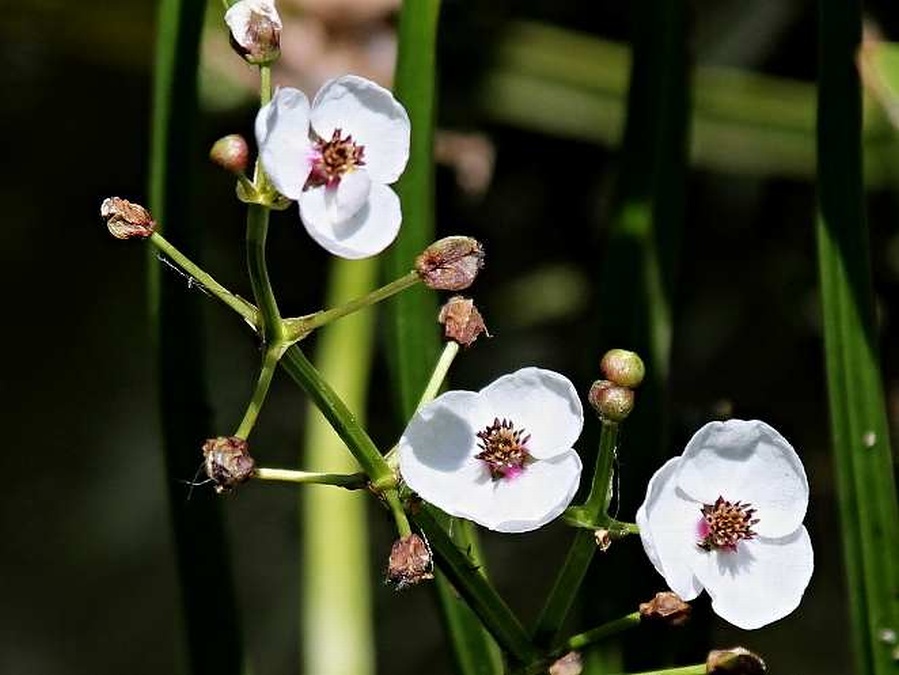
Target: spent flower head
x=337, y=159
x=726, y=516
x=502, y=456
x=255, y=30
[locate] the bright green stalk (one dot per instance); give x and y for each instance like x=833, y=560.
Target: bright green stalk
x=336, y=604
x=862, y=455
x=209, y=606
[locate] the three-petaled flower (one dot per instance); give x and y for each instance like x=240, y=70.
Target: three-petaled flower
x=337, y=159
x=726, y=516
x=502, y=456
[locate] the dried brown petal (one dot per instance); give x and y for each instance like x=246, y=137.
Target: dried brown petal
x=735, y=661
x=450, y=264
x=410, y=562
x=126, y=220
x=231, y=153
x=667, y=607
x=613, y=403
x=603, y=540
x=461, y=321
x=228, y=462
x=570, y=664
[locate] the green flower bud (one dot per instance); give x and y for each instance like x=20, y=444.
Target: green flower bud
x=613, y=403
x=623, y=367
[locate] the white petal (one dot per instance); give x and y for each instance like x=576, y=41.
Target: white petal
x=238, y=18
x=372, y=116
x=437, y=450
x=372, y=229
x=350, y=196
x=747, y=461
x=282, y=134
x=761, y=582
x=667, y=521
x=542, y=402
x=528, y=501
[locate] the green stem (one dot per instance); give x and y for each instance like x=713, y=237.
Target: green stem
x=235, y=302
x=269, y=363
x=299, y=327
x=350, y=481
x=339, y=417
x=570, y=577
x=265, y=85
x=272, y=328
x=438, y=375
x=698, y=669
x=399, y=515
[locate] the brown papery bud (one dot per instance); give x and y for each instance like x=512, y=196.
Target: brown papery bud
x=461, y=320
x=450, y=264
x=735, y=661
x=410, y=562
x=126, y=220
x=570, y=664
x=613, y=403
x=231, y=153
x=228, y=462
x=667, y=607
x=623, y=367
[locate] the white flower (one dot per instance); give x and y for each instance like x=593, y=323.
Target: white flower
x=726, y=516
x=337, y=160
x=502, y=456
x=255, y=29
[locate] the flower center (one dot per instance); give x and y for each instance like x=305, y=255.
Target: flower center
x=504, y=449
x=724, y=524
x=333, y=159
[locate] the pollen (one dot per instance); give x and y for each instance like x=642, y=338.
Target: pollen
x=333, y=159
x=724, y=524
x=504, y=450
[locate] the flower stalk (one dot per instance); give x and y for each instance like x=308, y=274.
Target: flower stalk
x=269, y=364
x=349, y=481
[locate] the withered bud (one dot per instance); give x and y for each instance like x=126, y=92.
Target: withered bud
x=667, y=607
x=570, y=664
x=231, y=153
x=410, y=562
x=622, y=367
x=613, y=403
x=228, y=462
x=736, y=661
x=450, y=264
x=126, y=220
x=255, y=30
x=603, y=540
x=461, y=321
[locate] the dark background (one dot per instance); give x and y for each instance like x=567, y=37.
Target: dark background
x=86, y=572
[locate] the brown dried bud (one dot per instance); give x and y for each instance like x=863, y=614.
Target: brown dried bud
x=126, y=220
x=231, y=153
x=255, y=30
x=603, y=540
x=667, y=607
x=570, y=664
x=228, y=462
x=410, y=562
x=461, y=321
x=736, y=661
x=623, y=368
x=613, y=403
x=450, y=264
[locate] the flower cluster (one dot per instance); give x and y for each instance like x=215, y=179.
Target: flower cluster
x=726, y=516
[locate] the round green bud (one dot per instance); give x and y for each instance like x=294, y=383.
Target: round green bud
x=612, y=402
x=623, y=367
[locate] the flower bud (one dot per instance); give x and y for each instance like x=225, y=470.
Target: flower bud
x=228, y=462
x=613, y=403
x=255, y=30
x=126, y=220
x=667, y=607
x=570, y=664
x=410, y=562
x=461, y=320
x=736, y=661
x=231, y=153
x=622, y=367
x=450, y=264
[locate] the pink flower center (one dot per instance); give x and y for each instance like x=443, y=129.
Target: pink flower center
x=504, y=450
x=724, y=524
x=332, y=159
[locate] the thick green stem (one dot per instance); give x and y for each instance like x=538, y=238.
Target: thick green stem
x=350, y=481
x=272, y=328
x=570, y=577
x=194, y=272
x=269, y=363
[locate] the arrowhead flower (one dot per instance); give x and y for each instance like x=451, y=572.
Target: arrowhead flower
x=502, y=456
x=726, y=516
x=337, y=159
